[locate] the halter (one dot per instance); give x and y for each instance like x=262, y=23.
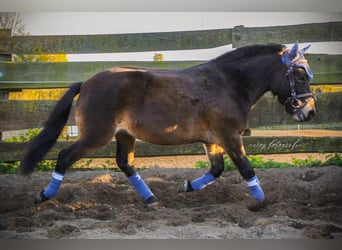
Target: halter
x=295, y=57
x=294, y=99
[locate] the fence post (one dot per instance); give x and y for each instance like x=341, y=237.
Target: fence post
x=5, y=34
x=236, y=36
x=4, y=56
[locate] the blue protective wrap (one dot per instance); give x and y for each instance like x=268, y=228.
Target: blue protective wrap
x=255, y=189
x=202, y=182
x=54, y=185
x=141, y=187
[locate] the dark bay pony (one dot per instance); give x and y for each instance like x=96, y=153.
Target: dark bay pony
x=207, y=103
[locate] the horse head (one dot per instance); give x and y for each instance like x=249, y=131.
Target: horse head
x=295, y=92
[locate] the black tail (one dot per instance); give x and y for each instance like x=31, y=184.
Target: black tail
x=39, y=146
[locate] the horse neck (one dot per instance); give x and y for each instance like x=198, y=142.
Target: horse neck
x=253, y=77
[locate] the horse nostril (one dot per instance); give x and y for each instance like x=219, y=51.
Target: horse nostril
x=312, y=113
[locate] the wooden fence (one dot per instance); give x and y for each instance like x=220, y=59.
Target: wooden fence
x=17, y=115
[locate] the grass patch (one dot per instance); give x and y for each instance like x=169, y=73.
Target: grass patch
x=259, y=163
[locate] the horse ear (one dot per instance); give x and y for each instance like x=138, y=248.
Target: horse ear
x=302, y=51
x=294, y=51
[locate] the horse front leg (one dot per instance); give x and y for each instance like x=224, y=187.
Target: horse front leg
x=215, y=155
x=236, y=151
x=124, y=159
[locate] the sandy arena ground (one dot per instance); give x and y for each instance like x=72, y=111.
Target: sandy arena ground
x=303, y=203
x=100, y=204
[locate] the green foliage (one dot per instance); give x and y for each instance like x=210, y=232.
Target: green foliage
x=86, y=164
x=158, y=57
x=256, y=161
x=334, y=159
x=228, y=164
x=46, y=165
x=9, y=167
x=259, y=163
x=29, y=135
x=41, y=58
x=202, y=164
x=306, y=162
x=12, y=167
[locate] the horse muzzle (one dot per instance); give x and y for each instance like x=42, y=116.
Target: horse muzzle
x=303, y=110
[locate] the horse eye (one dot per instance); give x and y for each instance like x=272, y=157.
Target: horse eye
x=301, y=78
x=300, y=74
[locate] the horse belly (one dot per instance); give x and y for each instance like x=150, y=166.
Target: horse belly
x=172, y=135
x=160, y=131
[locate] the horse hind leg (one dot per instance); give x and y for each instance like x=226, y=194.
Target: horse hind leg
x=124, y=158
x=66, y=158
x=215, y=155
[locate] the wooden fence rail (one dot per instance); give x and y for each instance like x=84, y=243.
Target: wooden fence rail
x=326, y=68
x=17, y=115
x=268, y=112
x=315, y=32
x=238, y=36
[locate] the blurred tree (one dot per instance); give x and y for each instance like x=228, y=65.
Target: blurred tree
x=13, y=21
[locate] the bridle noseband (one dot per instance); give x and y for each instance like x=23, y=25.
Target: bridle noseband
x=294, y=99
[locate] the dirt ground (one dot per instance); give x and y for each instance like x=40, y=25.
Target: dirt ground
x=302, y=203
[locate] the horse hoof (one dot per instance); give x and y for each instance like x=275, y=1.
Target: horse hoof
x=185, y=187
x=152, y=201
x=40, y=197
x=256, y=206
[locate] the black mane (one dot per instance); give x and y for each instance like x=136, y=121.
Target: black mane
x=246, y=52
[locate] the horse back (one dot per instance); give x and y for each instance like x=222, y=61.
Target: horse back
x=157, y=106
